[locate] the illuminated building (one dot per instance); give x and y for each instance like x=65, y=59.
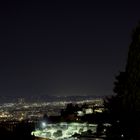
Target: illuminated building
x=62, y=130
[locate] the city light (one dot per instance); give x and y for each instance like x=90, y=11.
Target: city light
x=43, y=124
x=63, y=130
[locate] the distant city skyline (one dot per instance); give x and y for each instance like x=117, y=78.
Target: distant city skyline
x=46, y=98
x=64, y=48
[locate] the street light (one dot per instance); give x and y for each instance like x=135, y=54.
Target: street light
x=43, y=124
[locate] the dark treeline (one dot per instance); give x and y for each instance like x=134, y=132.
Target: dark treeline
x=20, y=131
x=124, y=105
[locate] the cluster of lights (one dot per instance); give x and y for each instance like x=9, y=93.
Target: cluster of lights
x=62, y=131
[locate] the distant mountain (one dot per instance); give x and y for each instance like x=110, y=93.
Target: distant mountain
x=46, y=98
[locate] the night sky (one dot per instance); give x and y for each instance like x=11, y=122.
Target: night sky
x=64, y=48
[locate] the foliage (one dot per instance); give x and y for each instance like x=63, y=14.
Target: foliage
x=125, y=104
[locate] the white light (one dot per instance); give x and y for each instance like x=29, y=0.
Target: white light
x=43, y=124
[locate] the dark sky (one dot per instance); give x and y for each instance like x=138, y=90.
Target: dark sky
x=64, y=48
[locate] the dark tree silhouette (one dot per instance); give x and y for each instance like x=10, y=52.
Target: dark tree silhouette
x=125, y=104
x=23, y=131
